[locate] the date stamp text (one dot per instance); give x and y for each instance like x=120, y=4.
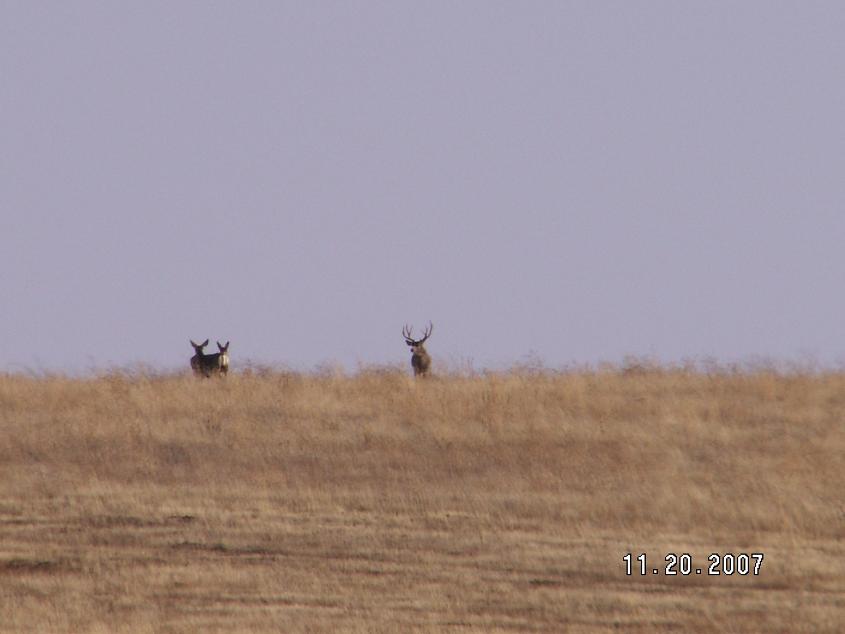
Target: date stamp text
x=727, y=564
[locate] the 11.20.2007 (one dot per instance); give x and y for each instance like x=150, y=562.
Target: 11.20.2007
x=742, y=564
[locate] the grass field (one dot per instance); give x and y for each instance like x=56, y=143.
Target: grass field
x=285, y=502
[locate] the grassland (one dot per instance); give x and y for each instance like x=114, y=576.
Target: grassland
x=285, y=502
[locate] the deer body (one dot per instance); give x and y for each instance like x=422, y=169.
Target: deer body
x=420, y=359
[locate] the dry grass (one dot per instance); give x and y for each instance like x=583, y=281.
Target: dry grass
x=281, y=502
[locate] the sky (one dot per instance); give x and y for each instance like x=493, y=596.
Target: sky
x=571, y=182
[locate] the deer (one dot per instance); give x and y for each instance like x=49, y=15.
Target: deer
x=420, y=360
x=223, y=359
x=207, y=364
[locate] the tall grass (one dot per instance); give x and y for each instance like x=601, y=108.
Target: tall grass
x=454, y=492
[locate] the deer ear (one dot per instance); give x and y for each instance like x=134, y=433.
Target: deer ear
x=205, y=343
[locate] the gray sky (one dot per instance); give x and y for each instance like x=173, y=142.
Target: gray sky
x=575, y=180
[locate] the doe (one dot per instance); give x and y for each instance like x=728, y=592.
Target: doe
x=207, y=364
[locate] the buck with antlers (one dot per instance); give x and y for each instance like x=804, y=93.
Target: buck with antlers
x=207, y=364
x=420, y=360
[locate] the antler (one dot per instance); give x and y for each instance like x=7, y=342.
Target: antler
x=427, y=333
x=406, y=332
